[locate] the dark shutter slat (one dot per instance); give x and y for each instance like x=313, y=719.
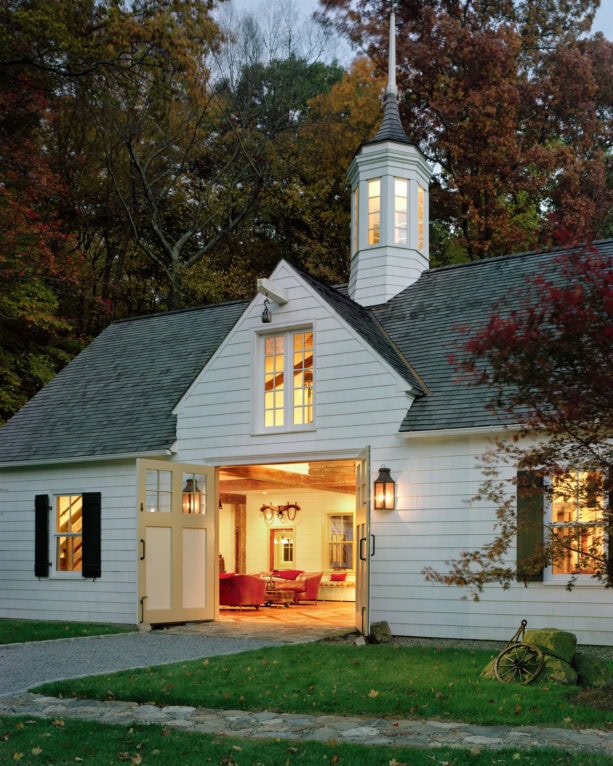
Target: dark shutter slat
x=530, y=525
x=41, y=536
x=92, y=564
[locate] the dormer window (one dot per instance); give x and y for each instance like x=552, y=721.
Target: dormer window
x=374, y=211
x=288, y=379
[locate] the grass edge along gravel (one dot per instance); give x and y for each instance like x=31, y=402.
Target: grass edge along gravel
x=13, y=631
x=35, y=741
x=319, y=678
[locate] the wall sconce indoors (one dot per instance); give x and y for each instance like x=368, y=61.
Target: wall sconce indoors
x=385, y=490
x=281, y=512
x=266, y=314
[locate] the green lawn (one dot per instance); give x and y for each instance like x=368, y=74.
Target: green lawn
x=29, y=741
x=17, y=631
x=372, y=680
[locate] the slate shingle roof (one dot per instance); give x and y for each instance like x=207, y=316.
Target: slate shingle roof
x=367, y=325
x=117, y=395
x=423, y=321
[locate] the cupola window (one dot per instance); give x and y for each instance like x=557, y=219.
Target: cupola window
x=374, y=211
x=401, y=208
x=420, y=217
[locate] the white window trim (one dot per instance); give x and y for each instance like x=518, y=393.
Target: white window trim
x=549, y=578
x=55, y=573
x=257, y=405
x=326, y=541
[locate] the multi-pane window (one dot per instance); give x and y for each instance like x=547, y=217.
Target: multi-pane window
x=69, y=533
x=401, y=208
x=420, y=218
x=340, y=541
x=288, y=379
x=158, y=486
x=283, y=548
x=577, y=506
x=356, y=219
x=374, y=211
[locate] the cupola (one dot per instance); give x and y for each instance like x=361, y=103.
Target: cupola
x=389, y=210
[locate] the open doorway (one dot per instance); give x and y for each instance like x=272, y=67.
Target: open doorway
x=289, y=518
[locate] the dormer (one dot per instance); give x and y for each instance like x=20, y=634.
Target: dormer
x=389, y=211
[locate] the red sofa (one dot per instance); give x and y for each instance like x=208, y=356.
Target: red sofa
x=241, y=590
x=304, y=584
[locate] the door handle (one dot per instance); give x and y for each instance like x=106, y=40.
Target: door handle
x=363, y=541
x=142, y=556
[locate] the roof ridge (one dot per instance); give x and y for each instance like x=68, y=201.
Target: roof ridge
x=139, y=317
x=511, y=256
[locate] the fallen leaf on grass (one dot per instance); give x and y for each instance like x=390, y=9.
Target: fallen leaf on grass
x=37, y=750
x=17, y=756
x=57, y=722
x=373, y=693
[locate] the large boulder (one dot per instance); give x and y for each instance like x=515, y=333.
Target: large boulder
x=556, y=671
x=592, y=673
x=380, y=633
x=558, y=643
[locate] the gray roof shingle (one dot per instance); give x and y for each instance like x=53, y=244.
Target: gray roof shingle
x=424, y=321
x=117, y=395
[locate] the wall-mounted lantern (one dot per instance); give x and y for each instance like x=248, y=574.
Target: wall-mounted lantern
x=385, y=490
x=191, y=497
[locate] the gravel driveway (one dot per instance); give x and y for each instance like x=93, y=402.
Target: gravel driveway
x=23, y=666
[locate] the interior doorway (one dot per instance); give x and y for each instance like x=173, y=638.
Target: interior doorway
x=288, y=518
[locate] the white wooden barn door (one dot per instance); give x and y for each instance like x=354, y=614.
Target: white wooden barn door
x=362, y=523
x=177, y=521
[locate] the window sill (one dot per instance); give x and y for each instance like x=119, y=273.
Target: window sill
x=290, y=430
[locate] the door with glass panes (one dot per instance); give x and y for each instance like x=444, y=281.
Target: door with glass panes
x=177, y=510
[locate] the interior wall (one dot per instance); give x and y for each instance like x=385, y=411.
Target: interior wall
x=309, y=528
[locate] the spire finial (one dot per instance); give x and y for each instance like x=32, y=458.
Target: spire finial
x=391, y=66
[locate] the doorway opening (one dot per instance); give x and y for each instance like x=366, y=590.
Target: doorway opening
x=276, y=520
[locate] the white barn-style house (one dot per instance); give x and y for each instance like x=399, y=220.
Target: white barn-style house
x=175, y=441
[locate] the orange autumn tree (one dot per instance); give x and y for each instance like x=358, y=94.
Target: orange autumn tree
x=511, y=103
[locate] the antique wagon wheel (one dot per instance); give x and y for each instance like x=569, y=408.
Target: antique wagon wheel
x=518, y=663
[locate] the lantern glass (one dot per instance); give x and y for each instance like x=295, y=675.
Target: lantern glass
x=385, y=491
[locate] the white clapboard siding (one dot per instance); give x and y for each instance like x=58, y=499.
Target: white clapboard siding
x=434, y=523
x=110, y=598
x=358, y=398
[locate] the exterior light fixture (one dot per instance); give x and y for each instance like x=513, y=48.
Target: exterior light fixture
x=191, y=497
x=385, y=490
x=266, y=314
x=281, y=512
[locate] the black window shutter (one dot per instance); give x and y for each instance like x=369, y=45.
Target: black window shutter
x=41, y=536
x=91, y=535
x=530, y=525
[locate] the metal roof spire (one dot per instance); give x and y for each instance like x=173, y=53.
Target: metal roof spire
x=391, y=127
x=391, y=64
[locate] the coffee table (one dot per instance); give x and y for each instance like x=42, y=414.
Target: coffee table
x=278, y=597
